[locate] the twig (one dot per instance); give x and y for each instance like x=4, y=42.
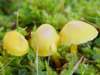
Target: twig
x=77, y=65
x=37, y=61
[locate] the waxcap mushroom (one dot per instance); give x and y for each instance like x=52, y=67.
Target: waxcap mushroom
x=77, y=32
x=44, y=39
x=15, y=44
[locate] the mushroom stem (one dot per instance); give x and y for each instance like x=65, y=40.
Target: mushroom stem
x=73, y=49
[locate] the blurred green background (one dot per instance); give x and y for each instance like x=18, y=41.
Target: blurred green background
x=26, y=15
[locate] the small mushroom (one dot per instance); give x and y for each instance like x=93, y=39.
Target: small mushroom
x=77, y=32
x=44, y=42
x=15, y=44
x=44, y=39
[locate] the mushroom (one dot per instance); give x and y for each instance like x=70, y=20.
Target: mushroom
x=44, y=42
x=15, y=44
x=77, y=32
x=44, y=39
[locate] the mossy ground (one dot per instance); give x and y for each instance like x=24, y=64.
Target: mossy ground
x=27, y=15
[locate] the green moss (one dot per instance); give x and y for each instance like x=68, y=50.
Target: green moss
x=33, y=13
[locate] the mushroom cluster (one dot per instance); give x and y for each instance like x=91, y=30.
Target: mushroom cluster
x=45, y=39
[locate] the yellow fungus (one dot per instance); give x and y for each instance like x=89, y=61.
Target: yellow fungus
x=15, y=44
x=45, y=40
x=77, y=32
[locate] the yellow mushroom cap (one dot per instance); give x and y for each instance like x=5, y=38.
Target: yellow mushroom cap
x=44, y=40
x=15, y=44
x=77, y=32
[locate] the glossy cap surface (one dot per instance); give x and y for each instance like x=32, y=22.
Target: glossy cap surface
x=15, y=44
x=77, y=32
x=45, y=40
